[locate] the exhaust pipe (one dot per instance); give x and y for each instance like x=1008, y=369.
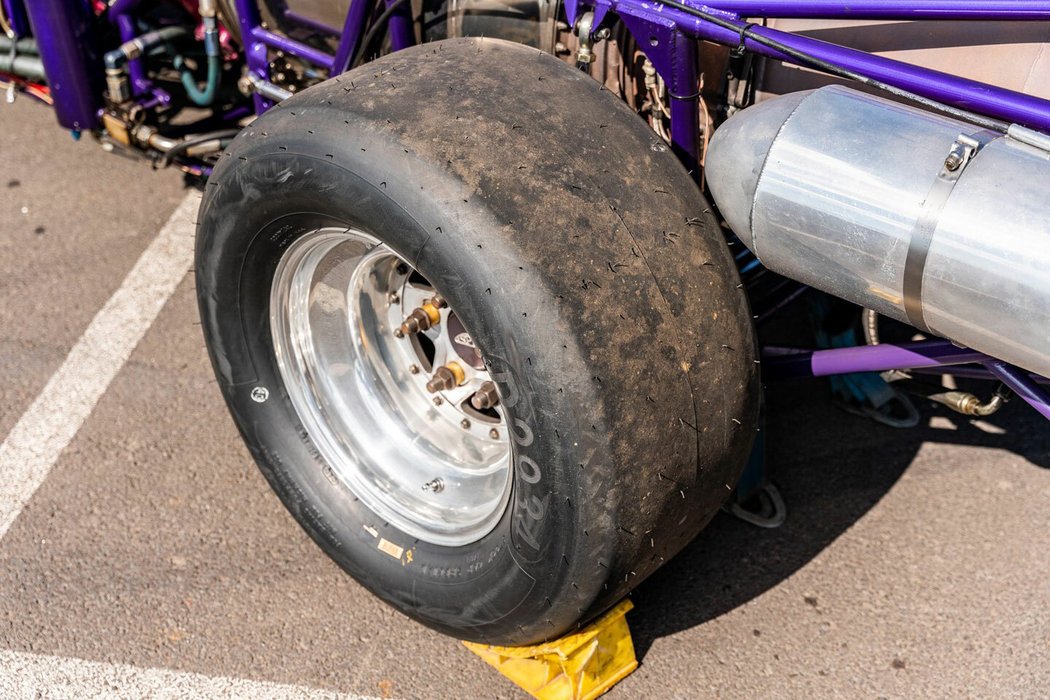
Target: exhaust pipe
x=925, y=219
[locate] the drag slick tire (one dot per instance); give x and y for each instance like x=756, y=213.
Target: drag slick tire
x=571, y=263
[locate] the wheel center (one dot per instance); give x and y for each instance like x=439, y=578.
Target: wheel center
x=462, y=343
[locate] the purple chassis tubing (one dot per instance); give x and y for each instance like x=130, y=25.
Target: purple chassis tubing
x=787, y=363
x=66, y=42
x=15, y=12
x=672, y=47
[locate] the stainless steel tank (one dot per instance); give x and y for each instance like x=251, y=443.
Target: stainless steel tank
x=923, y=218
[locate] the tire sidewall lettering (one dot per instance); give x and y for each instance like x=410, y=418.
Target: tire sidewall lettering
x=530, y=476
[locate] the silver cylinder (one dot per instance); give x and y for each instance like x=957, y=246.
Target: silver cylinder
x=922, y=218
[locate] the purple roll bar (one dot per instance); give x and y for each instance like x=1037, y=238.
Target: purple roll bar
x=1023, y=385
x=66, y=42
x=650, y=19
x=671, y=47
x=15, y=12
x=669, y=38
x=787, y=363
x=985, y=10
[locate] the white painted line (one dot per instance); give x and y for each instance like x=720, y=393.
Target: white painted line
x=42, y=677
x=35, y=443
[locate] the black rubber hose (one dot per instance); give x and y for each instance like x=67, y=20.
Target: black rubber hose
x=165, y=160
x=373, y=31
x=745, y=31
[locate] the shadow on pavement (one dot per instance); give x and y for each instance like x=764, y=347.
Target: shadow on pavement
x=831, y=468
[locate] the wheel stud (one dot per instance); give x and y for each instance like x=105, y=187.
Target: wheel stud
x=446, y=377
x=418, y=320
x=424, y=317
x=485, y=396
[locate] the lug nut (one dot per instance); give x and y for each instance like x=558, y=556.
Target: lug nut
x=446, y=377
x=485, y=397
x=422, y=318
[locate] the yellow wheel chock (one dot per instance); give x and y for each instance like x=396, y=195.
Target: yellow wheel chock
x=579, y=666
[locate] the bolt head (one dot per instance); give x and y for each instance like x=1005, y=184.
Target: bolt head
x=438, y=401
x=413, y=369
x=398, y=333
x=465, y=424
x=494, y=434
x=394, y=298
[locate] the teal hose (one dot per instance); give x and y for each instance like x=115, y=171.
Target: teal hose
x=204, y=97
x=201, y=97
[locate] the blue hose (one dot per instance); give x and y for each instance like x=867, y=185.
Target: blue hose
x=204, y=97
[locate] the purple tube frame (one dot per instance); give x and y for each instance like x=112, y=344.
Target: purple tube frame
x=15, y=12
x=671, y=40
x=940, y=355
x=671, y=36
x=67, y=47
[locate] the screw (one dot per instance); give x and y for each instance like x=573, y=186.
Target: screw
x=394, y=298
x=438, y=401
x=413, y=369
x=465, y=424
x=434, y=486
x=402, y=269
x=494, y=434
x=260, y=394
x=953, y=162
x=398, y=333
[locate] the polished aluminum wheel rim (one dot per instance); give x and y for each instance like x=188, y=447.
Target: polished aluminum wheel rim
x=424, y=461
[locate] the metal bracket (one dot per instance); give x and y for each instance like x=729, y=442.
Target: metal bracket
x=959, y=156
x=771, y=513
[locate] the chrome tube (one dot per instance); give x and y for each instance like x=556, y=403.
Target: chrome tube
x=925, y=219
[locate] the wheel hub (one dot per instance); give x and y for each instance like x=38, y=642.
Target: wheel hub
x=360, y=365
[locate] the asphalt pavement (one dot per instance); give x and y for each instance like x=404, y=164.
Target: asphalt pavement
x=149, y=558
